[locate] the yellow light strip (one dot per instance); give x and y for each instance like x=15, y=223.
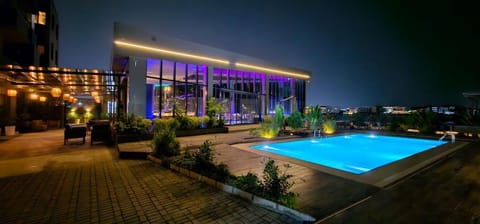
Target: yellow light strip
x=176, y=53
x=302, y=76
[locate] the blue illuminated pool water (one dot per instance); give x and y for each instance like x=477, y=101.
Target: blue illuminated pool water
x=356, y=153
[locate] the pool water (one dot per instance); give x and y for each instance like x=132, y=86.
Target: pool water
x=357, y=153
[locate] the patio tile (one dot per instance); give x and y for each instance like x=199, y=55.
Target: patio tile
x=85, y=184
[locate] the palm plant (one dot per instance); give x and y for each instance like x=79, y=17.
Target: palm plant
x=279, y=117
x=425, y=120
x=314, y=117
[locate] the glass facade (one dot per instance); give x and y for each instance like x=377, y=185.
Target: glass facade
x=174, y=86
x=241, y=93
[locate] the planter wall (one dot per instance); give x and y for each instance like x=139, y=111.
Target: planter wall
x=240, y=193
x=133, y=137
x=200, y=131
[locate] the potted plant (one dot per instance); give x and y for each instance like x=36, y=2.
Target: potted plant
x=10, y=128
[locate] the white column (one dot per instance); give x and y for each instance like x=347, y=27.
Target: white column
x=210, y=81
x=136, y=87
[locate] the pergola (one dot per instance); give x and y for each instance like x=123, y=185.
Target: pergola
x=63, y=87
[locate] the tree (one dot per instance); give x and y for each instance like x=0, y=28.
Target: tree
x=214, y=107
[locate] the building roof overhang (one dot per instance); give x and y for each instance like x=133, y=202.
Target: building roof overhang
x=135, y=42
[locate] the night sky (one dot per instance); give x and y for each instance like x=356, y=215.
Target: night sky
x=360, y=53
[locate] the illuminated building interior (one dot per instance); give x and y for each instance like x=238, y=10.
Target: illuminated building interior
x=166, y=75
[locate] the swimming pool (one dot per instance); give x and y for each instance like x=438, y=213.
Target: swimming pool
x=357, y=153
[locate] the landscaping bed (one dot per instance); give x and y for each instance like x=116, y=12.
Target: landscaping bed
x=260, y=201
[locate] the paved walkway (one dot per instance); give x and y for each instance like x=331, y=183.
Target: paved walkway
x=52, y=183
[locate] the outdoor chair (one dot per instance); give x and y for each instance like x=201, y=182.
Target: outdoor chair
x=74, y=131
x=101, y=131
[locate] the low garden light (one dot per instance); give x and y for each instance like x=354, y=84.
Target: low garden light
x=12, y=92
x=43, y=99
x=56, y=92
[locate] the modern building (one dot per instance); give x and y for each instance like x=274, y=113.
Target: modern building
x=28, y=33
x=167, y=73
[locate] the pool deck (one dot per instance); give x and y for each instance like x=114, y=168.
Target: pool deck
x=44, y=181
x=42, y=159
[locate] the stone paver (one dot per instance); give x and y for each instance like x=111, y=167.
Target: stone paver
x=88, y=184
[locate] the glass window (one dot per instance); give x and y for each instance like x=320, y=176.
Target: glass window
x=167, y=69
x=153, y=68
x=192, y=73
x=167, y=99
x=152, y=98
x=191, y=99
x=201, y=100
x=217, y=78
x=42, y=18
x=224, y=83
x=180, y=96
x=181, y=71
x=202, y=74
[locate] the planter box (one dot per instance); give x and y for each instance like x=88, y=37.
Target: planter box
x=10, y=130
x=133, y=137
x=200, y=131
x=264, y=202
x=224, y=187
x=243, y=194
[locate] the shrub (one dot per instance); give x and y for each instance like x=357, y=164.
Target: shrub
x=205, y=155
x=201, y=161
x=268, y=129
x=221, y=123
x=161, y=124
x=329, y=126
x=204, y=121
x=165, y=143
x=274, y=186
x=186, y=160
x=211, y=122
x=134, y=124
x=188, y=122
x=295, y=120
x=221, y=173
x=249, y=182
x=214, y=107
